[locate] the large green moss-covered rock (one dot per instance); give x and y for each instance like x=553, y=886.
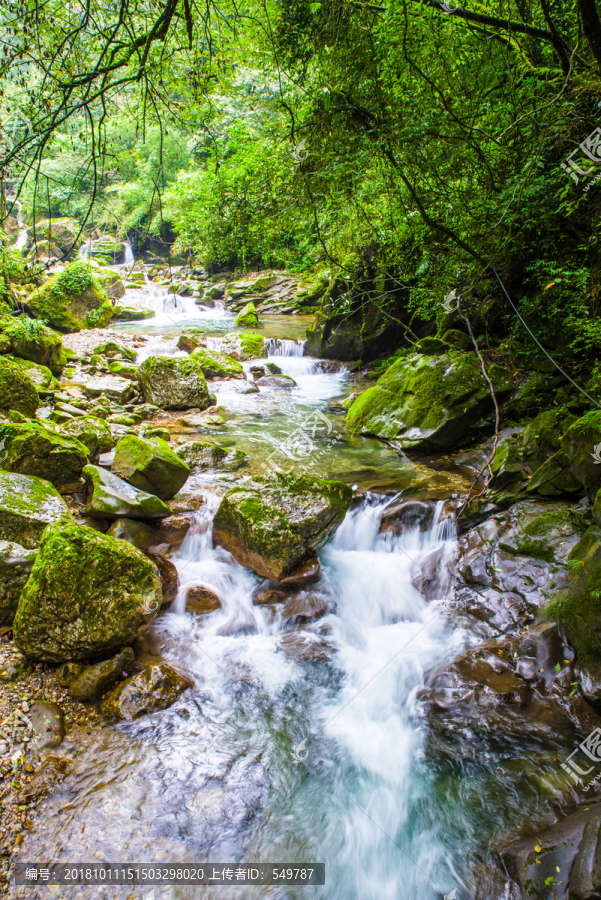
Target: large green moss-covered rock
x=555, y=478
x=247, y=317
x=17, y=390
x=15, y=566
x=31, y=449
x=41, y=376
x=113, y=350
x=34, y=341
x=72, y=300
x=273, y=524
x=243, y=346
x=112, y=498
x=27, y=506
x=428, y=402
x=157, y=687
x=582, y=445
x=171, y=382
x=150, y=465
x=88, y=594
x=201, y=455
x=58, y=236
x=92, y=432
x=216, y=365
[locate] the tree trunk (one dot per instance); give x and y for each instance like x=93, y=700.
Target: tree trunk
x=591, y=27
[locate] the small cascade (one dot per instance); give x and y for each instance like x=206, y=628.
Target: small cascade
x=215, y=343
x=129, y=258
x=85, y=250
x=21, y=241
x=277, y=347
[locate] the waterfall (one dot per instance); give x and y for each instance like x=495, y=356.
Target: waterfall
x=21, y=241
x=85, y=250
x=277, y=347
x=129, y=258
x=214, y=343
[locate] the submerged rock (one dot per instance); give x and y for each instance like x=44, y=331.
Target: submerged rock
x=201, y=455
x=16, y=563
x=171, y=382
x=428, y=402
x=42, y=453
x=112, y=498
x=304, y=646
x=157, y=687
x=17, y=390
x=274, y=523
x=27, y=506
x=93, y=433
x=96, y=680
x=150, y=465
x=88, y=594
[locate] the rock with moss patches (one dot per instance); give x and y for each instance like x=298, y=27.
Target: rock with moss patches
x=554, y=478
x=200, y=455
x=109, y=280
x=428, y=402
x=112, y=349
x=582, y=446
x=17, y=390
x=16, y=563
x=541, y=439
x=27, y=506
x=92, y=432
x=124, y=370
x=156, y=688
x=96, y=680
x=31, y=449
x=273, y=524
x=41, y=376
x=88, y=594
x=118, y=389
x=243, y=346
x=58, y=236
x=72, y=300
x=247, y=317
x=150, y=465
x=216, y=365
x=35, y=342
x=276, y=383
x=190, y=339
x=171, y=382
x=140, y=535
x=112, y=498
x=549, y=533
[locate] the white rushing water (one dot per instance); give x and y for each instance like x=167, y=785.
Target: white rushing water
x=21, y=240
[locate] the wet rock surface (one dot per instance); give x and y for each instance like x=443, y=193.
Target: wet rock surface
x=155, y=688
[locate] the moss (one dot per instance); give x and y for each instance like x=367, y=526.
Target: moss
x=34, y=450
x=124, y=370
x=17, y=389
x=93, y=433
x=579, y=444
x=32, y=340
x=68, y=299
x=252, y=345
x=540, y=535
x=216, y=365
x=248, y=317
x=41, y=376
x=171, y=382
x=100, y=317
x=542, y=437
x=27, y=506
x=150, y=465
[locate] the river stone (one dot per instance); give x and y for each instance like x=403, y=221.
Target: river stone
x=112, y=349
x=247, y=317
x=27, y=506
x=190, y=339
x=31, y=449
x=274, y=523
x=201, y=455
x=16, y=563
x=168, y=575
x=150, y=465
x=35, y=342
x=88, y=594
x=124, y=370
x=93, y=433
x=112, y=498
x=276, y=383
x=308, y=573
x=96, y=680
x=243, y=346
x=156, y=687
x=17, y=390
x=15, y=669
x=48, y=724
x=68, y=672
x=200, y=599
x=41, y=376
x=216, y=365
x=171, y=382
x=176, y=528
x=139, y=535
x=119, y=389
x=428, y=402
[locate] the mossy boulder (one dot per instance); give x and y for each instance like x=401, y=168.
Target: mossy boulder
x=124, y=370
x=17, y=390
x=428, y=402
x=32, y=449
x=140, y=535
x=582, y=445
x=541, y=439
x=247, y=317
x=112, y=498
x=16, y=563
x=190, y=339
x=555, y=478
x=546, y=533
x=93, y=433
x=41, y=376
x=109, y=280
x=112, y=350
x=33, y=341
x=274, y=523
x=58, y=236
x=150, y=465
x=88, y=594
x=27, y=507
x=72, y=300
x=171, y=382
x=216, y=365
x=157, y=687
x=112, y=387
x=200, y=455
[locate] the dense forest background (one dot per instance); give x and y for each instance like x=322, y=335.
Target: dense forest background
x=399, y=151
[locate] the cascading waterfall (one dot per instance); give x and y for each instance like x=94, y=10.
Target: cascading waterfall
x=21, y=241
x=128, y=258
x=214, y=343
x=279, y=348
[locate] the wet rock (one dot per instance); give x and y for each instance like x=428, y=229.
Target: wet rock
x=176, y=528
x=274, y=523
x=304, y=646
x=51, y=772
x=200, y=455
x=276, y=383
x=190, y=339
x=34, y=450
x=15, y=669
x=156, y=688
x=96, y=680
x=407, y=515
x=112, y=498
x=173, y=383
x=273, y=595
x=88, y=594
x=150, y=465
x=200, y=599
x=48, y=724
x=185, y=503
x=68, y=672
x=17, y=390
x=118, y=389
x=168, y=576
x=216, y=365
x=93, y=433
x=308, y=573
x=428, y=402
x=72, y=300
x=15, y=566
x=27, y=506
x=305, y=606
x=112, y=350
x=247, y=317
x=139, y=535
